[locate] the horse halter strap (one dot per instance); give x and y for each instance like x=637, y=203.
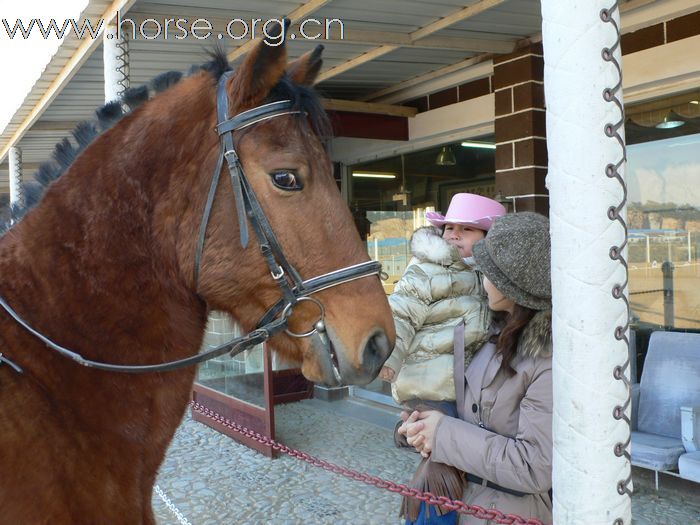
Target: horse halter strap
x=247, y=207
x=247, y=204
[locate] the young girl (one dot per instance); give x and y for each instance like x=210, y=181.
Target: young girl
x=439, y=289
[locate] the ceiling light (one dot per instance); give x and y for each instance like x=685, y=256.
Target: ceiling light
x=483, y=145
x=373, y=175
x=670, y=122
x=695, y=101
x=446, y=157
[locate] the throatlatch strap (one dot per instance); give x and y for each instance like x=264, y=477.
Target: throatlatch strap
x=229, y=151
x=205, y=218
x=236, y=175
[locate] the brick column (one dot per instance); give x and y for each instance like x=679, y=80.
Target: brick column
x=521, y=136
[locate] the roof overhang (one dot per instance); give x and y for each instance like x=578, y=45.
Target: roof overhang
x=390, y=51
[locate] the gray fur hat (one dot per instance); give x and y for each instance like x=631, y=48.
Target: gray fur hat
x=515, y=257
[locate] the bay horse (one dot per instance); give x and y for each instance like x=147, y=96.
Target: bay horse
x=117, y=264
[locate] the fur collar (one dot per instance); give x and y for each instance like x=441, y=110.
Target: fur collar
x=536, y=338
x=428, y=245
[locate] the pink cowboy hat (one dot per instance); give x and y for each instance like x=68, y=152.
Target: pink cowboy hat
x=470, y=210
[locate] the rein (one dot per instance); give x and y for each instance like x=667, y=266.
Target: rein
x=248, y=208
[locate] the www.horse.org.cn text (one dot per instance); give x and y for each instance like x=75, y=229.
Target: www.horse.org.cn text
x=136, y=28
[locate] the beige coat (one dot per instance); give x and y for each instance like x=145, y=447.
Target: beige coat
x=436, y=291
x=506, y=433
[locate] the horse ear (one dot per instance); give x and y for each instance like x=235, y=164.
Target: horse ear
x=304, y=69
x=263, y=67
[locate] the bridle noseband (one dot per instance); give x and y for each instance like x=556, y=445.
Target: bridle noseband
x=248, y=208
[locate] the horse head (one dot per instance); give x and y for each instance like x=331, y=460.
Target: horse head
x=290, y=173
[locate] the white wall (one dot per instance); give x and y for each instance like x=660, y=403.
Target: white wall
x=663, y=70
x=463, y=120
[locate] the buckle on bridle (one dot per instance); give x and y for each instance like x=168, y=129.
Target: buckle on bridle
x=256, y=337
x=232, y=153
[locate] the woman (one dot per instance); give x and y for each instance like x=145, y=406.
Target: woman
x=502, y=439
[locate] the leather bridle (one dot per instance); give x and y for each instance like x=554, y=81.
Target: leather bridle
x=293, y=288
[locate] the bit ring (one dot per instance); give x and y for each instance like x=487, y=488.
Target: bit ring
x=318, y=324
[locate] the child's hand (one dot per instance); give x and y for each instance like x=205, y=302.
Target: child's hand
x=386, y=373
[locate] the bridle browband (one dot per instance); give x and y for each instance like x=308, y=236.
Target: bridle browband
x=248, y=208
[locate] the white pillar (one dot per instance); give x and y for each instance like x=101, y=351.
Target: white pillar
x=116, y=63
x=591, y=462
x=15, y=160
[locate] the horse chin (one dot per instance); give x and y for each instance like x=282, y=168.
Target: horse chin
x=319, y=366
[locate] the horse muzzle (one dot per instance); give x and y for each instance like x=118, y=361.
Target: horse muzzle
x=337, y=370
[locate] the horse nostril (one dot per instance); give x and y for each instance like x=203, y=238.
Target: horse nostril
x=376, y=351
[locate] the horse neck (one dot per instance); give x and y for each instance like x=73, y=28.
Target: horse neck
x=95, y=265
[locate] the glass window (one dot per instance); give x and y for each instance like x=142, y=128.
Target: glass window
x=663, y=179
x=240, y=376
x=664, y=220
x=663, y=215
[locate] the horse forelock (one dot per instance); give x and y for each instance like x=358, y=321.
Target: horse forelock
x=307, y=101
x=67, y=151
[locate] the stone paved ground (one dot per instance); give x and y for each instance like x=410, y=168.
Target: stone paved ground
x=676, y=503
x=212, y=479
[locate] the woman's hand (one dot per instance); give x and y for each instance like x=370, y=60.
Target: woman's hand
x=419, y=429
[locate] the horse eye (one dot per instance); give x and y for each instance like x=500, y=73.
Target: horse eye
x=286, y=180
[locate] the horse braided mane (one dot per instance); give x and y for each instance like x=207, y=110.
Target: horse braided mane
x=84, y=133
x=305, y=99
